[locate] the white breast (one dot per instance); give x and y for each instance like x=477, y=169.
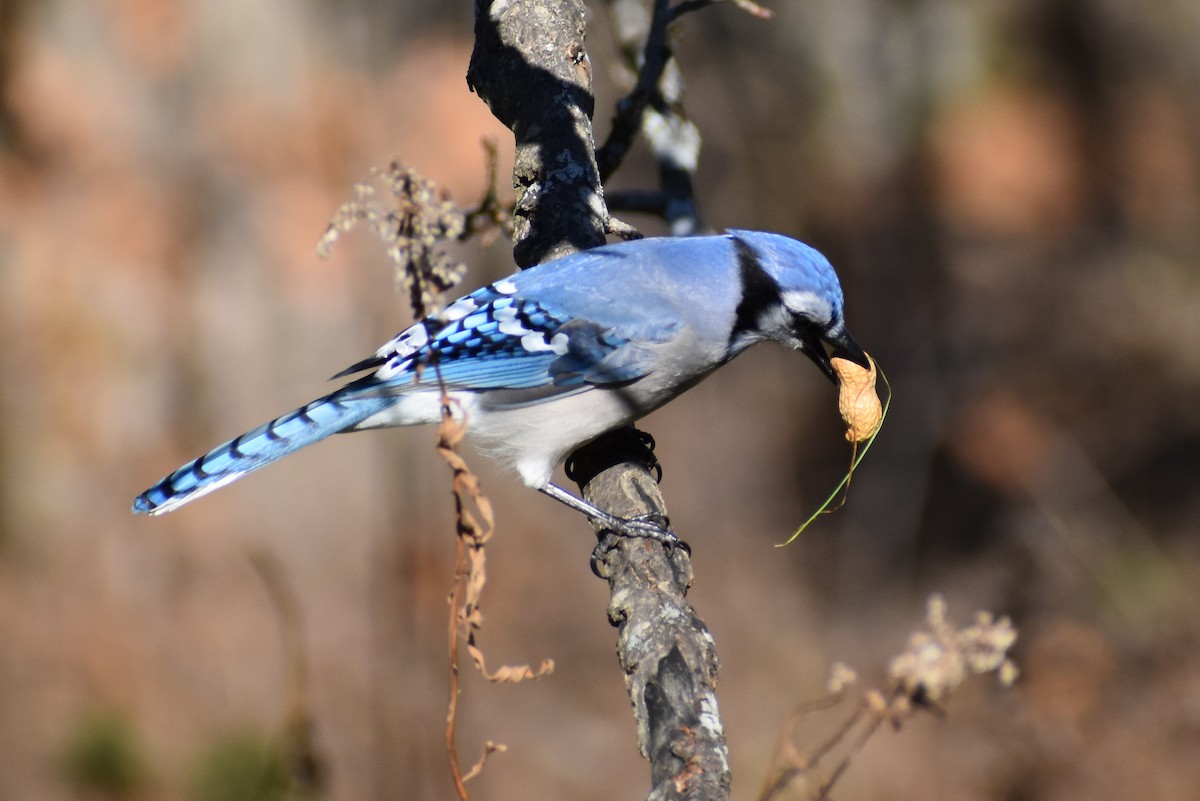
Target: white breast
x=534, y=439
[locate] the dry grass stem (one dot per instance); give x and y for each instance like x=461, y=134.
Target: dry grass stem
x=475, y=524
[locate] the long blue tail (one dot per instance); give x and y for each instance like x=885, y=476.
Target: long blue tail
x=254, y=449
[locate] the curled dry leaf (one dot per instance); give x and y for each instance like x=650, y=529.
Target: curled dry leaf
x=857, y=401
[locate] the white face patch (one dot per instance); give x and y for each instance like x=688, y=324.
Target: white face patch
x=775, y=318
x=809, y=305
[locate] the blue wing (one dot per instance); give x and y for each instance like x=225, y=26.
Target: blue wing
x=496, y=339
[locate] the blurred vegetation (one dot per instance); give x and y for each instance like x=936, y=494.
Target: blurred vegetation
x=1010, y=190
x=105, y=757
x=239, y=768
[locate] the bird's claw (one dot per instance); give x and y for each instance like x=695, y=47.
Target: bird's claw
x=645, y=526
x=648, y=526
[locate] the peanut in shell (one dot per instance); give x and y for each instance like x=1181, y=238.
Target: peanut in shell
x=857, y=401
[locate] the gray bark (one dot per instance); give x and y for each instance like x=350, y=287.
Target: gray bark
x=531, y=67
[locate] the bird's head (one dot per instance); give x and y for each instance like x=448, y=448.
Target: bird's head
x=791, y=294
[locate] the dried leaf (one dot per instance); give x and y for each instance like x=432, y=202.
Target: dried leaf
x=489, y=748
x=509, y=674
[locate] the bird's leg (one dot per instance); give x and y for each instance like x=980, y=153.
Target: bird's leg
x=653, y=527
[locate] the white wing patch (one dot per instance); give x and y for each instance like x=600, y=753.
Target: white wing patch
x=459, y=309
x=400, y=350
x=407, y=343
x=536, y=342
x=512, y=327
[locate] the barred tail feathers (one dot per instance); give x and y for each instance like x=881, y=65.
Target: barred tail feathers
x=227, y=463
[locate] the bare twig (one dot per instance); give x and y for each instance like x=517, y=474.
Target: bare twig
x=654, y=108
x=639, y=201
x=491, y=215
x=643, y=44
x=622, y=229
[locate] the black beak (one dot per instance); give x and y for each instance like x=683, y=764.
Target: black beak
x=841, y=344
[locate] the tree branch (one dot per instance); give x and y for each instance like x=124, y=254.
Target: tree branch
x=531, y=67
x=666, y=651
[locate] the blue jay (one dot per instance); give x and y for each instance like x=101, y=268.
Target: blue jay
x=546, y=360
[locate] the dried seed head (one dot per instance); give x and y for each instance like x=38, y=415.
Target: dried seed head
x=939, y=658
x=841, y=677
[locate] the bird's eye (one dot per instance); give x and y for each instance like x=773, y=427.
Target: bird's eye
x=811, y=307
x=805, y=327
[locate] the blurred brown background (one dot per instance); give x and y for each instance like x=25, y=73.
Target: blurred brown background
x=1011, y=192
